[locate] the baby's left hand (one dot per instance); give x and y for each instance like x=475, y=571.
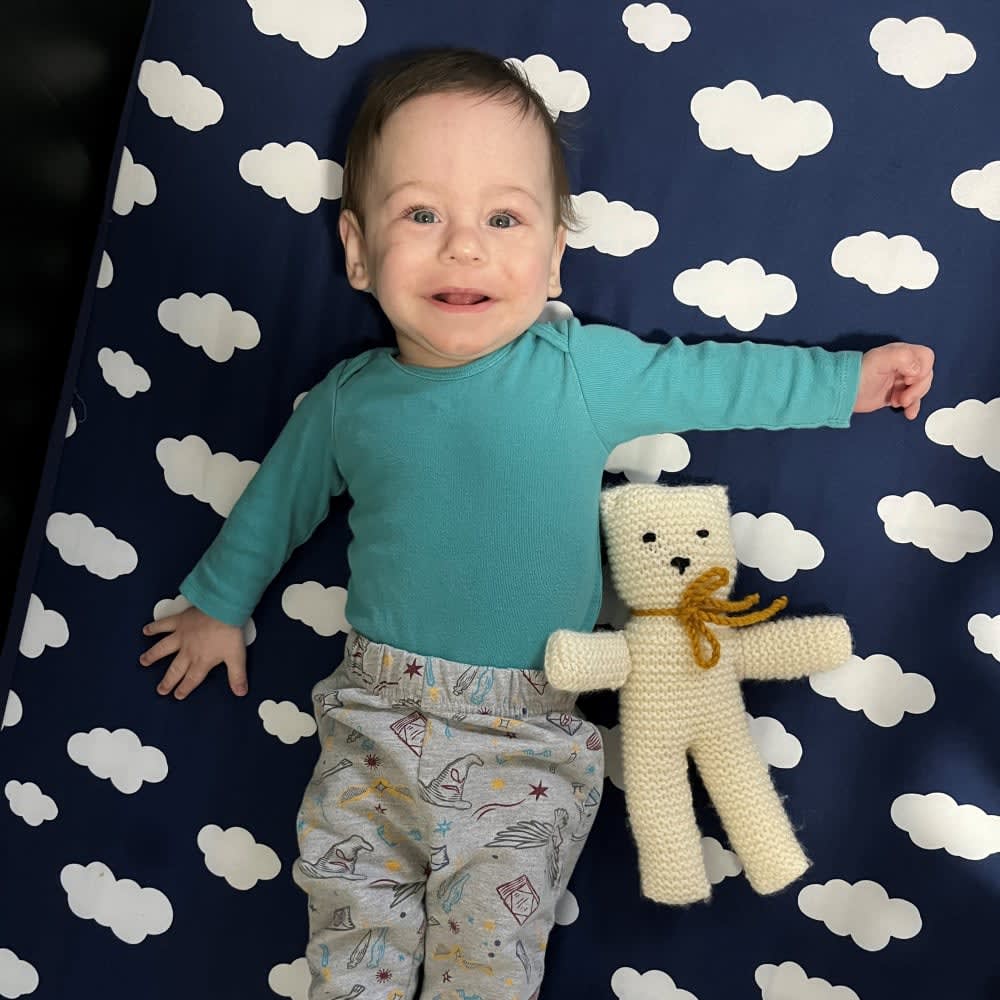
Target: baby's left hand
x=896, y=375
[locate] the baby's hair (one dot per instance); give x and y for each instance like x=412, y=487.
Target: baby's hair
x=446, y=70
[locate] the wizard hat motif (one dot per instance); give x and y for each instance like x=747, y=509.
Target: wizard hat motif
x=339, y=860
x=447, y=788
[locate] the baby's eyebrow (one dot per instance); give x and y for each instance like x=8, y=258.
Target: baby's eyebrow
x=493, y=189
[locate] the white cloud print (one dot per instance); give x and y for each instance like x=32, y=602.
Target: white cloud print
x=319, y=28
x=643, y=458
x=972, y=428
x=177, y=96
x=936, y=821
x=122, y=373
x=209, y=322
x=562, y=90
x=985, y=632
x=789, y=981
x=29, y=802
x=774, y=130
x=655, y=26
x=920, y=51
x=627, y=984
x=862, y=911
x=777, y=746
x=118, y=756
x=234, y=855
x=13, y=711
x=979, y=189
x=739, y=290
x=720, y=863
x=132, y=912
x=885, y=264
x=946, y=532
x=135, y=185
x=319, y=607
x=17, y=977
x=611, y=227
x=878, y=687
x=291, y=980
x=286, y=721
x=42, y=628
x=81, y=543
x=772, y=544
x=293, y=173
x=106, y=273
x=190, y=469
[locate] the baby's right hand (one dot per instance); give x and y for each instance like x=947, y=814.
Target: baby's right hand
x=200, y=642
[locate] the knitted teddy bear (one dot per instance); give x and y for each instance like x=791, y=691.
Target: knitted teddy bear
x=679, y=663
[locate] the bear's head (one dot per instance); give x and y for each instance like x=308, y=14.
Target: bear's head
x=660, y=538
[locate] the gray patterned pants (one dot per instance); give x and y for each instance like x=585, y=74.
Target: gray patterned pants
x=445, y=815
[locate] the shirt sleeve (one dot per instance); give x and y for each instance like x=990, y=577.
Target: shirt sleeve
x=280, y=508
x=632, y=387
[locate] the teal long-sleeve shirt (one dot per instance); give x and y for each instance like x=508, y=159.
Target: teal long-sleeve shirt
x=475, y=527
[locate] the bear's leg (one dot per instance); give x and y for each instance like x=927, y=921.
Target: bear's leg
x=738, y=782
x=661, y=814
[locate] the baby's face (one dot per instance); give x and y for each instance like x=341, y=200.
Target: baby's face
x=461, y=244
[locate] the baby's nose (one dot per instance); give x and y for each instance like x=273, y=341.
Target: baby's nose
x=681, y=563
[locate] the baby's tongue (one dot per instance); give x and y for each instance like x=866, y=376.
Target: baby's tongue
x=460, y=298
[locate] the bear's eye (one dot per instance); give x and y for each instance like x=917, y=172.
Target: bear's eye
x=702, y=533
x=650, y=536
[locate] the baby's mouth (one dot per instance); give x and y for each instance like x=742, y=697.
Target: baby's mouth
x=460, y=298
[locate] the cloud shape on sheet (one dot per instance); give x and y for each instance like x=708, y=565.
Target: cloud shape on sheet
x=135, y=185
x=921, y=51
x=773, y=545
x=628, y=984
x=972, y=428
x=17, y=977
x=129, y=910
x=234, y=855
x=885, y=264
x=562, y=90
x=318, y=28
x=13, y=710
x=936, y=821
x=286, y=721
x=654, y=26
x=209, y=322
x=291, y=980
x=777, y=746
x=985, y=632
x=740, y=290
x=178, y=96
x=780, y=982
x=567, y=909
x=720, y=863
x=878, y=687
x=42, y=629
x=122, y=373
x=979, y=189
x=80, y=542
x=643, y=458
x=949, y=534
x=862, y=911
x=774, y=130
x=119, y=757
x=106, y=273
x=319, y=607
x=611, y=227
x=29, y=802
x=190, y=469
x=293, y=173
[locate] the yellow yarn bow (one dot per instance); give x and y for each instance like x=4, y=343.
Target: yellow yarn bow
x=698, y=607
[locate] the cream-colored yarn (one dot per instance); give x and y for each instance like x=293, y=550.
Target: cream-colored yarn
x=670, y=707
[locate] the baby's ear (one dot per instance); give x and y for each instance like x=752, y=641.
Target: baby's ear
x=354, y=250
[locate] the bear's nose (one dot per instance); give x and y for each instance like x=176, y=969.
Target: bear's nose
x=681, y=563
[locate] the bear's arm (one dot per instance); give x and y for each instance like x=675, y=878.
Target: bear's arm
x=586, y=661
x=793, y=647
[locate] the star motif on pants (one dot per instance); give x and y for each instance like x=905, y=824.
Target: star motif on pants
x=539, y=791
x=413, y=669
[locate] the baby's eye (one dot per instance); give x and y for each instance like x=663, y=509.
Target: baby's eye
x=421, y=215
x=702, y=532
x=503, y=220
x=650, y=536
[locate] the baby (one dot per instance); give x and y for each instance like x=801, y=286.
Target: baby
x=455, y=786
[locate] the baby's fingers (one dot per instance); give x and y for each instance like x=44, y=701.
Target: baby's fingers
x=167, y=624
x=176, y=673
x=236, y=667
x=163, y=648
